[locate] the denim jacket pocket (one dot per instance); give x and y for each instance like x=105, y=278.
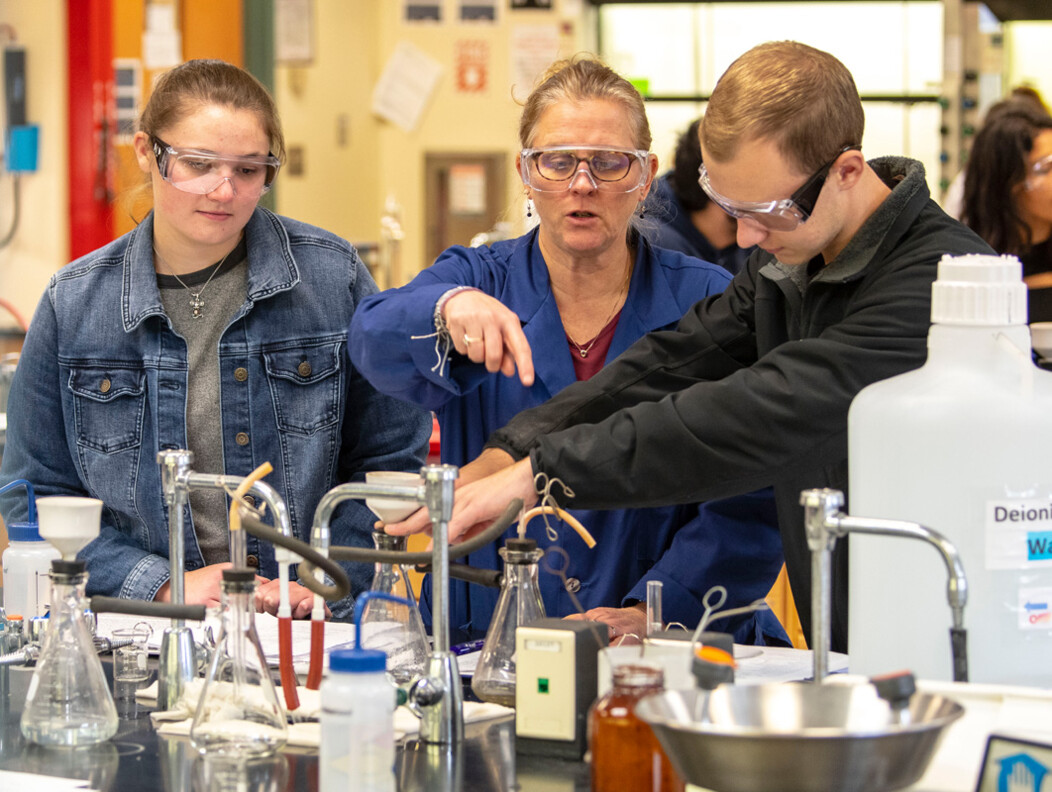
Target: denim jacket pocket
x=108, y=406
x=305, y=384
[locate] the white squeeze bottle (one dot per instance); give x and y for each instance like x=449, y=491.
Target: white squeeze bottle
x=357, y=723
x=962, y=445
x=26, y=562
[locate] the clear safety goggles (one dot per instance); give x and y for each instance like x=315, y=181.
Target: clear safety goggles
x=1037, y=172
x=783, y=215
x=555, y=168
x=202, y=172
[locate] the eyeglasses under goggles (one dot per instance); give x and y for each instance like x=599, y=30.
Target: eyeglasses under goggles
x=555, y=168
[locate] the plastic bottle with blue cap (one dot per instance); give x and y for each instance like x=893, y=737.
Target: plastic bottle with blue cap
x=357, y=716
x=26, y=562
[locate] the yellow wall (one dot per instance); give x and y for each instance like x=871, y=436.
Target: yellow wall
x=1026, y=56
x=42, y=243
x=344, y=188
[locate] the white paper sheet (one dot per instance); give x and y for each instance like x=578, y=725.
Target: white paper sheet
x=41, y=783
x=337, y=634
x=406, y=85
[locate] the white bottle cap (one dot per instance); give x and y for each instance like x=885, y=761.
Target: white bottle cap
x=979, y=290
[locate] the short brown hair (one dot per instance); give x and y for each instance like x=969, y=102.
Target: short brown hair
x=802, y=98
x=197, y=83
x=579, y=78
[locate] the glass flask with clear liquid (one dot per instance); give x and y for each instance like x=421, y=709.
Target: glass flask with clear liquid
x=239, y=712
x=69, y=701
x=391, y=626
x=519, y=603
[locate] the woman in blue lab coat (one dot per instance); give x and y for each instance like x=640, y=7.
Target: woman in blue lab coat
x=487, y=332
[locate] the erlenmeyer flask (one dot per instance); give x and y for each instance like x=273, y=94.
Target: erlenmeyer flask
x=69, y=701
x=239, y=711
x=395, y=627
x=520, y=603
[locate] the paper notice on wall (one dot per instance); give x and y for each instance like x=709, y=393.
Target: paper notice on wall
x=406, y=85
x=467, y=189
x=162, y=44
x=533, y=48
x=294, y=31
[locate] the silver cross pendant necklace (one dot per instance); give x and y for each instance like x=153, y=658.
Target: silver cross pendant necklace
x=196, y=303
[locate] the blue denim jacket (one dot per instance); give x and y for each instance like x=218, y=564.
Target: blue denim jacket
x=101, y=387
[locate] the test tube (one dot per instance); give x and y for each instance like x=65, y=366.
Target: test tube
x=654, y=621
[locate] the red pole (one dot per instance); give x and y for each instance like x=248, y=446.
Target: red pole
x=91, y=124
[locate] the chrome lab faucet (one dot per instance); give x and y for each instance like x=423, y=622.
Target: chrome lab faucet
x=825, y=523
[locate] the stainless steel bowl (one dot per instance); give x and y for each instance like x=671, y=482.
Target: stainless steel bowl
x=797, y=737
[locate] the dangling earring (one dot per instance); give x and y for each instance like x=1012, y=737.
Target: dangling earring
x=642, y=210
x=529, y=207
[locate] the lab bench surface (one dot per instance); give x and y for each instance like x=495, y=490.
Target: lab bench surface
x=137, y=758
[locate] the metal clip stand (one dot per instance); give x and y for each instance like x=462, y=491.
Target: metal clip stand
x=437, y=698
x=177, y=663
x=825, y=523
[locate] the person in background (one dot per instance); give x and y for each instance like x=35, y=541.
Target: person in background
x=486, y=332
x=752, y=387
x=1008, y=194
x=215, y=326
x=681, y=217
x=953, y=203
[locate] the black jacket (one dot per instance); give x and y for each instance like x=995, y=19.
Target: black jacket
x=753, y=386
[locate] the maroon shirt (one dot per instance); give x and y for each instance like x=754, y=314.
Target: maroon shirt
x=595, y=355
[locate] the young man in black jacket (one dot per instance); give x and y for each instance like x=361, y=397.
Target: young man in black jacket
x=753, y=387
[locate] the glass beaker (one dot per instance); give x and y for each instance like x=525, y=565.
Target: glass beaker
x=132, y=653
x=392, y=626
x=69, y=701
x=239, y=712
x=519, y=603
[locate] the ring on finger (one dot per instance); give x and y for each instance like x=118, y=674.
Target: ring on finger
x=468, y=339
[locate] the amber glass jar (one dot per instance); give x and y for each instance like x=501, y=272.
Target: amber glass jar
x=625, y=753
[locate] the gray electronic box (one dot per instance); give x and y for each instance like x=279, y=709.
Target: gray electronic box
x=556, y=675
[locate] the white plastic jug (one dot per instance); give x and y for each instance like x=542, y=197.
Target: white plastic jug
x=962, y=445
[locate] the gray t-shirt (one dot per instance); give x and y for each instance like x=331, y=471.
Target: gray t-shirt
x=219, y=299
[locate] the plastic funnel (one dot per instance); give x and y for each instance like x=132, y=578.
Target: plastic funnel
x=392, y=510
x=69, y=522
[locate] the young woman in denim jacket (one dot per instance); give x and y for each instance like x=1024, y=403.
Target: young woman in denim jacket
x=215, y=326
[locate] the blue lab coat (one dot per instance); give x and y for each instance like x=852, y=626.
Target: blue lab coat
x=689, y=548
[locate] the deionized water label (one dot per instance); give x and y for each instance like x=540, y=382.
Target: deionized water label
x=1019, y=534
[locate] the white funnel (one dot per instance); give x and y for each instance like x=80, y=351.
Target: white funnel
x=392, y=510
x=69, y=522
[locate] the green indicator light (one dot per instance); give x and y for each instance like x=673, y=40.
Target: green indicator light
x=542, y=685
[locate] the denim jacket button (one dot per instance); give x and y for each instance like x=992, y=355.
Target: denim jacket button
x=104, y=386
x=252, y=561
x=241, y=438
x=241, y=374
x=304, y=369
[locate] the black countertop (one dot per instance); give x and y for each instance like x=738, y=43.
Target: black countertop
x=136, y=758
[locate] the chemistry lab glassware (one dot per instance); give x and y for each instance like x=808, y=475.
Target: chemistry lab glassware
x=394, y=626
x=131, y=654
x=239, y=712
x=69, y=701
x=625, y=752
x=519, y=603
